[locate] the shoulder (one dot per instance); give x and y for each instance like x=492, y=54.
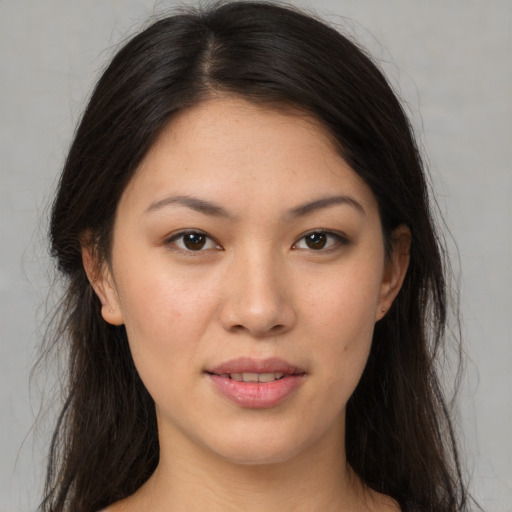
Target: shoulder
x=383, y=503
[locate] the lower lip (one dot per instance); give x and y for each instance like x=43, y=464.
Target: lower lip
x=257, y=395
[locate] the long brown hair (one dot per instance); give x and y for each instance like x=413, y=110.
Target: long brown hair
x=399, y=436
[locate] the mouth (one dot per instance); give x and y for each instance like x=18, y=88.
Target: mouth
x=256, y=384
x=253, y=377
x=245, y=369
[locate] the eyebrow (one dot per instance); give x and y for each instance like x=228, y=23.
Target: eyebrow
x=213, y=209
x=194, y=203
x=325, y=202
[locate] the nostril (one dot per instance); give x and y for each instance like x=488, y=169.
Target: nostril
x=259, y=332
x=257, y=314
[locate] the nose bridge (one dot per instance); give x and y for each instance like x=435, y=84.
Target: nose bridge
x=257, y=299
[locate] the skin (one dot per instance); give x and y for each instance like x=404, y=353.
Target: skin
x=255, y=289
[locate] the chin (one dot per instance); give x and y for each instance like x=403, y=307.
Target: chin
x=258, y=455
x=262, y=446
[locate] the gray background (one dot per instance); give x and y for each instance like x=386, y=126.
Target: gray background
x=450, y=60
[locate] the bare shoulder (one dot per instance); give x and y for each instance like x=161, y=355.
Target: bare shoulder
x=115, y=507
x=378, y=502
x=129, y=504
x=373, y=502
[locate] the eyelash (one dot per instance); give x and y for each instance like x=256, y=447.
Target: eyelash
x=336, y=240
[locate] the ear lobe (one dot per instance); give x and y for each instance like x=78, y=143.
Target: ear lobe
x=100, y=277
x=395, y=270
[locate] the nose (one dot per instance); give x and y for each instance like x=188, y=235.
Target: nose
x=258, y=298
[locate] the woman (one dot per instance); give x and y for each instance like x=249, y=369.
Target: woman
x=256, y=289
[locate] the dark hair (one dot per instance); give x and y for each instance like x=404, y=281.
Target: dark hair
x=399, y=436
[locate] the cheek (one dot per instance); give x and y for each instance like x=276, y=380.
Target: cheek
x=165, y=317
x=341, y=319
x=345, y=301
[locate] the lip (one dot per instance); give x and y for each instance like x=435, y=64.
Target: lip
x=249, y=365
x=256, y=395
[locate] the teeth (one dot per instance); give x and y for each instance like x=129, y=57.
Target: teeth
x=256, y=377
x=268, y=377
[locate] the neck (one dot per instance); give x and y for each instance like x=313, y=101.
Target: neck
x=192, y=478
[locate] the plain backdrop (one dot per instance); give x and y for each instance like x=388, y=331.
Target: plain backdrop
x=451, y=62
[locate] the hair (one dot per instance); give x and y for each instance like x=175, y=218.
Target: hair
x=399, y=436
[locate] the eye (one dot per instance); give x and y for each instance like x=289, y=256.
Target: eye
x=193, y=241
x=320, y=240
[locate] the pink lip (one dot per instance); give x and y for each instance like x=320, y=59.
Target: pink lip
x=248, y=365
x=256, y=395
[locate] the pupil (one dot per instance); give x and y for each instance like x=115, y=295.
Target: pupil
x=194, y=241
x=316, y=240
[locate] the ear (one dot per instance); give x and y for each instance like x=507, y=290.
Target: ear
x=396, y=268
x=101, y=280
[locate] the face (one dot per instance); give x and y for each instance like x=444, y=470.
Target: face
x=248, y=267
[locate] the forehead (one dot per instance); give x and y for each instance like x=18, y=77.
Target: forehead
x=243, y=153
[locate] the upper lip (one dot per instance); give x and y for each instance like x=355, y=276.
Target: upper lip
x=249, y=365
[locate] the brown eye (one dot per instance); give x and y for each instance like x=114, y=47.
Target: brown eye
x=320, y=240
x=316, y=240
x=193, y=241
